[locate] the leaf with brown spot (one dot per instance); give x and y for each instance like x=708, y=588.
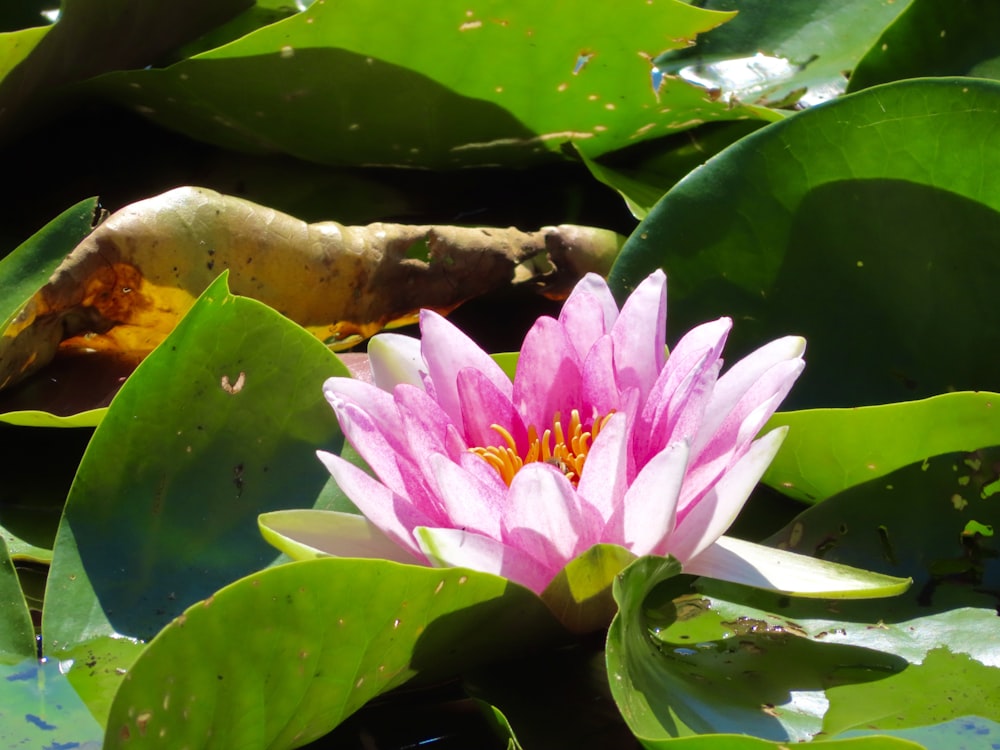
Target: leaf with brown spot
x=127, y=284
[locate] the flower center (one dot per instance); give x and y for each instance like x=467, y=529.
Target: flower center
x=568, y=453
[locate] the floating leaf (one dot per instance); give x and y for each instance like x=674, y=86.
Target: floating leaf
x=500, y=83
x=308, y=655
x=858, y=224
x=17, y=634
x=123, y=289
x=829, y=450
x=216, y=426
x=934, y=39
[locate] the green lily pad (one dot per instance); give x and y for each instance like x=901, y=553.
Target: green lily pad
x=17, y=634
x=308, y=655
x=934, y=39
x=505, y=84
x=829, y=450
x=218, y=424
x=769, y=683
x=858, y=224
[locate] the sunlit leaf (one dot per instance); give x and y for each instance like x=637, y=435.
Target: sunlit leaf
x=17, y=634
x=308, y=655
x=219, y=424
x=829, y=450
x=502, y=82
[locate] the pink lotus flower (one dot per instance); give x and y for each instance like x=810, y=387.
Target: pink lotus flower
x=600, y=438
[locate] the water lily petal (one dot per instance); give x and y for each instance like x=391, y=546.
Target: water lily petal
x=308, y=533
x=393, y=514
x=600, y=393
x=376, y=403
x=603, y=483
x=708, y=519
x=763, y=567
x=380, y=448
x=640, y=334
x=745, y=375
x=394, y=359
x=650, y=507
x=548, y=375
x=465, y=549
x=447, y=351
x=588, y=313
x=544, y=517
x=483, y=405
x=467, y=501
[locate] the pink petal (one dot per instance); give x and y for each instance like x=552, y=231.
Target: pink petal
x=545, y=518
x=548, y=375
x=588, y=313
x=483, y=405
x=649, y=509
x=465, y=549
x=600, y=383
x=395, y=359
x=447, y=351
x=467, y=501
x=640, y=334
x=756, y=370
x=394, y=515
x=714, y=513
x=379, y=405
x=604, y=479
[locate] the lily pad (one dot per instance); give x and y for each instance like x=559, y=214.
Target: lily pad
x=857, y=223
x=934, y=39
x=17, y=634
x=829, y=450
x=217, y=425
x=498, y=83
x=308, y=656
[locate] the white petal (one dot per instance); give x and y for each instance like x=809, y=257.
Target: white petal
x=395, y=359
x=463, y=549
x=714, y=513
x=763, y=567
x=651, y=502
x=305, y=534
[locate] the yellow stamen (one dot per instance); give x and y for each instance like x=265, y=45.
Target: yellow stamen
x=568, y=453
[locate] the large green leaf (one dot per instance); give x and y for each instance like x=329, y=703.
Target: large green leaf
x=309, y=653
x=857, y=223
x=220, y=423
x=442, y=86
x=17, y=634
x=931, y=38
x=768, y=683
x=795, y=52
x=829, y=450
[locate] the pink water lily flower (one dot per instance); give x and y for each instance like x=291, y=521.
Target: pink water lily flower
x=600, y=438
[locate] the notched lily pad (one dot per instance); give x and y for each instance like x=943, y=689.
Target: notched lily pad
x=125, y=286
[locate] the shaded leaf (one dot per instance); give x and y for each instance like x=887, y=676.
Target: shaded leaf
x=123, y=289
x=934, y=39
x=829, y=450
x=504, y=83
x=163, y=510
x=857, y=223
x=308, y=655
x=766, y=682
x=17, y=634
x=91, y=37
